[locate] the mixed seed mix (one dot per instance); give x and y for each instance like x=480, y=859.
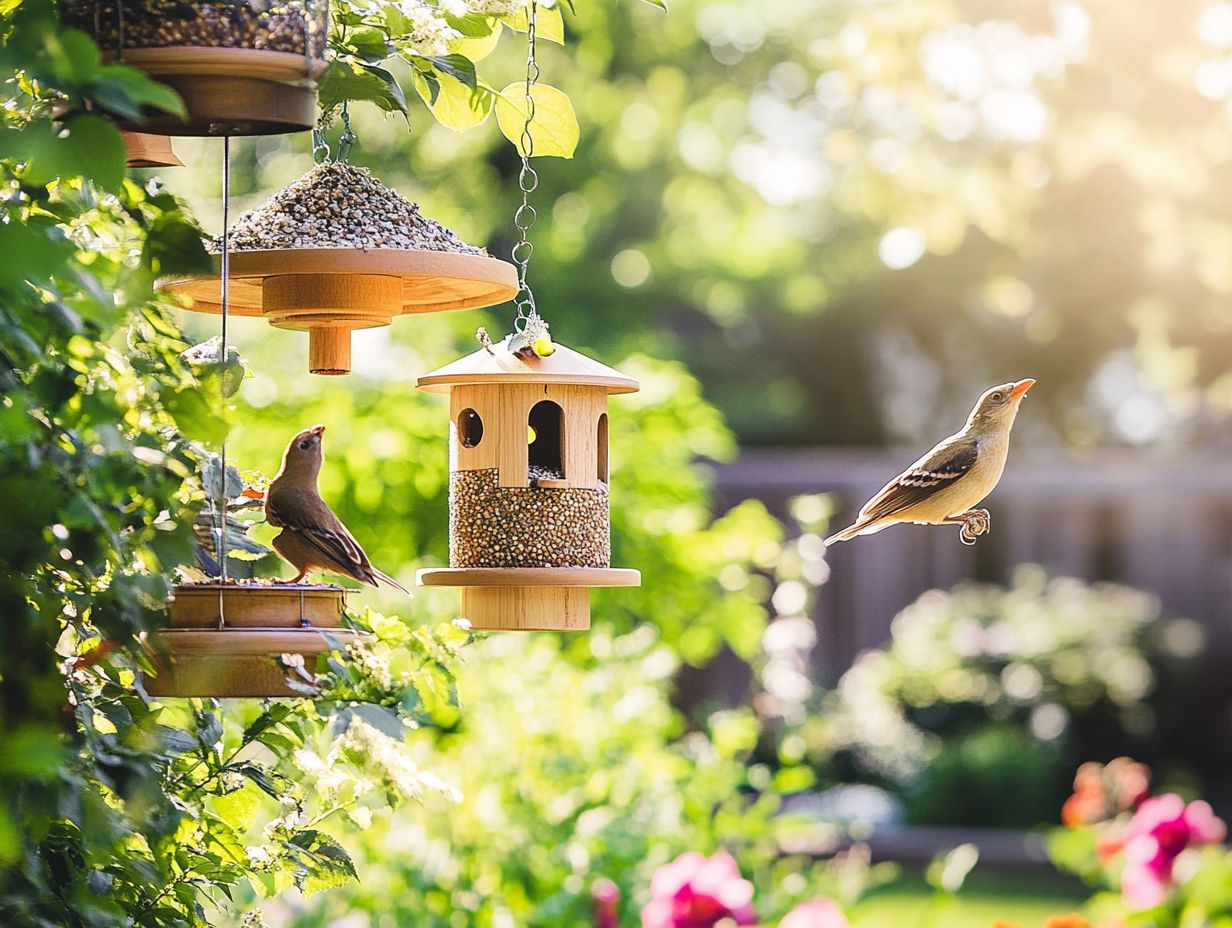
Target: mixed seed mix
x=340, y=205
x=293, y=26
x=494, y=526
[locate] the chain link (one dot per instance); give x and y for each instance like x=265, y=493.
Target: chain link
x=528, y=181
x=346, y=141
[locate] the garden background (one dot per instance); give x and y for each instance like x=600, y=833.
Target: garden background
x=814, y=231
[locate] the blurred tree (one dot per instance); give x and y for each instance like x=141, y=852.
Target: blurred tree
x=849, y=217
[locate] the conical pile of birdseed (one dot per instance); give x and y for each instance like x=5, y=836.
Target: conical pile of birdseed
x=339, y=205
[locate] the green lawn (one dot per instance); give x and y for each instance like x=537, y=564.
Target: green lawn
x=1020, y=900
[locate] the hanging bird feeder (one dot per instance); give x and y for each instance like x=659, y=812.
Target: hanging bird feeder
x=529, y=525
x=242, y=67
x=337, y=250
x=226, y=640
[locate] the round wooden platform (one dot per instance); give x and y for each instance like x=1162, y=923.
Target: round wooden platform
x=235, y=663
x=529, y=576
x=231, y=91
x=286, y=67
x=432, y=281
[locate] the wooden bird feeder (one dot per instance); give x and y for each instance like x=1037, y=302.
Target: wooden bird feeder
x=529, y=525
x=150, y=151
x=225, y=639
x=339, y=251
x=242, y=67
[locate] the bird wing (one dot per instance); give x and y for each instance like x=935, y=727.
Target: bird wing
x=311, y=517
x=940, y=468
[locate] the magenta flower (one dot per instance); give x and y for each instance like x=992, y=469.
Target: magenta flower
x=1160, y=830
x=695, y=891
x=816, y=913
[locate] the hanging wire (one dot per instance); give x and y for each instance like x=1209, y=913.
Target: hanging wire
x=225, y=272
x=528, y=181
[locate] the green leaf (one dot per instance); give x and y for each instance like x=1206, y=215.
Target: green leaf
x=474, y=25
x=239, y=807
x=125, y=91
x=554, y=128
x=175, y=246
x=476, y=48
x=458, y=107
x=458, y=67
x=549, y=23
x=86, y=146
x=370, y=45
x=345, y=82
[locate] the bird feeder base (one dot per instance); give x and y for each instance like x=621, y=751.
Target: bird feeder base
x=231, y=91
x=241, y=605
x=150, y=151
x=527, y=598
x=240, y=663
x=330, y=291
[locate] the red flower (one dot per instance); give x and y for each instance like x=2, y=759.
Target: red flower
x=695, y=891
x=1160, y=830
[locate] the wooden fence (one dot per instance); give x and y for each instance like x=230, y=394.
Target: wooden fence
x=1158, y=522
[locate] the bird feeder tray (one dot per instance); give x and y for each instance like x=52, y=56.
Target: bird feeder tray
x=242, y=67
x=235, y=663
x=150, y=151
x=232, y=91
x=330, y=268
x=528, y=598
x=529, y=520
x=239, y=605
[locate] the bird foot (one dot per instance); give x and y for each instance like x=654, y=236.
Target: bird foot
x=975, y=522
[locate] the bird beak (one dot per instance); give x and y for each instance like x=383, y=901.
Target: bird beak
x=1019, y=390
x=320, y=429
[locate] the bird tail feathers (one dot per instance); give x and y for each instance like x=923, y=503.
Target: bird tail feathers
x=850, y=532
x=390, y=581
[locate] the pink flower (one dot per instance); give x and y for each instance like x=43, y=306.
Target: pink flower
x=695, y=891
x=816, y=913
x=606, y=898
x=1160, y=830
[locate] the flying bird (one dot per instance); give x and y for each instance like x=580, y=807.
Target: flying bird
x=945, y=484
x=312, y=537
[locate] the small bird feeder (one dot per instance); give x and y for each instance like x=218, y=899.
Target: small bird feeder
x=242, y=67
x=337, y=250
x=529, y=526
x=225, y=640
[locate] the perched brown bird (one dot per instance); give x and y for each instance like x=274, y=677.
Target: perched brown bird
x=312, y=537
x=946, y=483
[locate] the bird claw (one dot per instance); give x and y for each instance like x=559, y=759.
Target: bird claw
x=975, y=522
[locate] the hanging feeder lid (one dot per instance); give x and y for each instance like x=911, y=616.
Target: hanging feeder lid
x=498, y=364
x=339, y=220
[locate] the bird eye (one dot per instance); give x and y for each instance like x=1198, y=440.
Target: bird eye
x=303, y=445
x=997, y=397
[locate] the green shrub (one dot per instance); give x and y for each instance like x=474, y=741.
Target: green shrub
x=987, y=693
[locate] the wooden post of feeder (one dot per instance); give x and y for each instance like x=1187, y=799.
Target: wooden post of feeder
x=329, y=306
x=529, y=515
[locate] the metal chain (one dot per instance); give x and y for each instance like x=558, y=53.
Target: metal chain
x=528, y=181
x=346, y=141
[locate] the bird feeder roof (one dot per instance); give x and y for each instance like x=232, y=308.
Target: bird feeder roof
x=499, y=365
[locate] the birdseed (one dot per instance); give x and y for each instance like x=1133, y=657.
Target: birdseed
x=255, y=24
x=494, y=526
x=340, y=205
